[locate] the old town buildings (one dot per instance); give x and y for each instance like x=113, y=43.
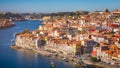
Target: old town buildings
x=99, y=31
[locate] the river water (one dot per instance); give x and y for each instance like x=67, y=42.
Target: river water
x=10, y=58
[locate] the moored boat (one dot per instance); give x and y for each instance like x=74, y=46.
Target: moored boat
x=52, y=64
x=15, y=47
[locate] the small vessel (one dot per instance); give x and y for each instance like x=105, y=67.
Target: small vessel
x=52, y=64
x=12, y=41
x=15, y=47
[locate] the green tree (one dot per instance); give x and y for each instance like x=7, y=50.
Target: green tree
x=94, y=59
x=25, y=31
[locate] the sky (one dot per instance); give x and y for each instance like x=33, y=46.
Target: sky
x=48, y=6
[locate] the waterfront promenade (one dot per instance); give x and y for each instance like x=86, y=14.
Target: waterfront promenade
x=85, y=58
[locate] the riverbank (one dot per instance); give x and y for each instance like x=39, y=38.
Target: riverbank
x=87, y=60
x=6, y=24
x=70, y=60
x=47, y=53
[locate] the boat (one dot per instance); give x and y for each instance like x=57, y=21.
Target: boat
x=15, y=47
x=52, y=64
x=12, y=40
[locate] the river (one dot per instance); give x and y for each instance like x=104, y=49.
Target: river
x=10, y=58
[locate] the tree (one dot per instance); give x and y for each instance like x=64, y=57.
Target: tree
x=82, y=31
x=25, y=31
x=82, y=50
x=94, y=59
x=106, y=10
x=77, y=66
